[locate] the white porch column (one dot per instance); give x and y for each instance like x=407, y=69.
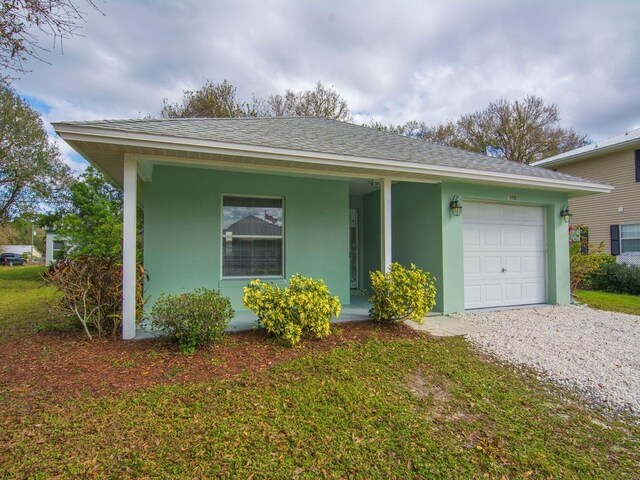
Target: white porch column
x=385, y=223
x=129, y=249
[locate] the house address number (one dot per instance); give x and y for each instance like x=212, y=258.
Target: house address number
x=512, y=197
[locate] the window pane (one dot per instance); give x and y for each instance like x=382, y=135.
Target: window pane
x=630, y=246
x=252, y=216
x=630, y=231
x=58, y=245
x=248, y=257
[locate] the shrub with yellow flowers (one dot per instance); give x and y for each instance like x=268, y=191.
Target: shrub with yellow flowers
x=302, y=309
x=401, y=294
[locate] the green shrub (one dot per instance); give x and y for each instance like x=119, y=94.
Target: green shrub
x=402, y=294
x=192, y=319
x=91, y=289
x=582, y=265
x=302, y=309
x=617, y=278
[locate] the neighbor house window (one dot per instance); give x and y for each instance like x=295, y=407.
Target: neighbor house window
x=252, y=236
x=630, y=238
x=637, y=165
x=58, y=250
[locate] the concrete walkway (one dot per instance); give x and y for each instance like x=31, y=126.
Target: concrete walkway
x=444, y=326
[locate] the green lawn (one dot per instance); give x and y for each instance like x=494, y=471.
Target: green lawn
x=24, y=300
x=616, y=302
x=416, y=408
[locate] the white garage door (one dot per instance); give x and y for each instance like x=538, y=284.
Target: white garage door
x=504, y=255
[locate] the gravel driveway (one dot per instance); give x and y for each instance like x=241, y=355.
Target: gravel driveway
x=592, y=351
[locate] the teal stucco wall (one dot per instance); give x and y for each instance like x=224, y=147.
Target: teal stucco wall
x=416, y=217
x=371, y=236
x=182, y=240
x=557, y=236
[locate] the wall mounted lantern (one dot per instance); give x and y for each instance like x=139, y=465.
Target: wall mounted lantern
x=566, y=214
x=455, y=206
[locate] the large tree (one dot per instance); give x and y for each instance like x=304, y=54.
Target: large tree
x=32, y=173
x=320, y=102
x=522, y=131
x=22, y=20
x=220, y=100
x=211, y=100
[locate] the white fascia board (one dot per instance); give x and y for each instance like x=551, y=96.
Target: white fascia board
x=88, y=134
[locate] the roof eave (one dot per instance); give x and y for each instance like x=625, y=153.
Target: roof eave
x=73, y=132
x=594, y=152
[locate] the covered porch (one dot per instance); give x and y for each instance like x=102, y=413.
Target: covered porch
x=337, y=228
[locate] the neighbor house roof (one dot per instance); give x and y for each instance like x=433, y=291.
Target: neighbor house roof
x=300, y=141
x=20, y=249
x=629, y=139
x=253, y=225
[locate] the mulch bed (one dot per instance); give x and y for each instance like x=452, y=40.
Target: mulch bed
x=57, y=366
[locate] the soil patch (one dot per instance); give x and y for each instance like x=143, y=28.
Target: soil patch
x=58, y=366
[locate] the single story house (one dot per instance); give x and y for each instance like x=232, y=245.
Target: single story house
x=613, y=219
x=227, y=200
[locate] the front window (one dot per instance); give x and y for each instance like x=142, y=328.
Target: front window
x=252, y=236
x=630, y=238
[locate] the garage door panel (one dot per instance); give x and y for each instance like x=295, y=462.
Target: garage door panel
x=533, y=265
x=512, y=265
x=473, y=294
x=492, y=265
x=513, y=291
x=513, y=238
x=472, y=237
x=493, y=292
x=490, y=211
x=491, y=238
x=504, y=255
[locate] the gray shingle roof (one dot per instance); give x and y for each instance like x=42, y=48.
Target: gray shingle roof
x=324, y=136
x=253, y=225
x=630, y=138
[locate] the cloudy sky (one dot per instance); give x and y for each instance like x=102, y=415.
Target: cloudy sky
x=393, y=61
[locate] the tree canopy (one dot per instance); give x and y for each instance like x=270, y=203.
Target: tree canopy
x=220, y=100
x=523, y=131
x=92, y=222
x=18, y=232
x=31, y=170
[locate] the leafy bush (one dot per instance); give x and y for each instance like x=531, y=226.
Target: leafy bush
x=617, y=278
x=582, y=265
x=91, y=290
x=402, y=294
x=192, y=319
x=303, y=308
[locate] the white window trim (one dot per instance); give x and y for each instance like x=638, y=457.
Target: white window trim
x=275, y=237
x=635, y=252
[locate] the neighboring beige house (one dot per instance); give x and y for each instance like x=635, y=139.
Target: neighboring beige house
x=612, y=218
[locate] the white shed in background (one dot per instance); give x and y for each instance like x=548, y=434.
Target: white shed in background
x=54, y=248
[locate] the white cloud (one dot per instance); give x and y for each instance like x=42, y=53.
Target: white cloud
x=393, y=61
